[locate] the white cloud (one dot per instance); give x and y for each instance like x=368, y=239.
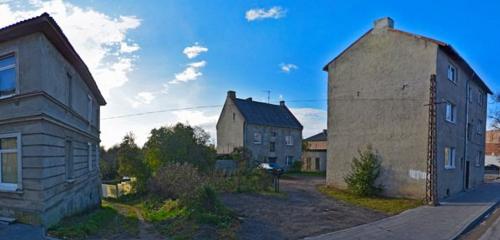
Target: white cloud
x=288, y=67
x=191, y=73
x=194, y=51
x=142, y=98
x=261, y=13
x=100, y=40
x=314, y=120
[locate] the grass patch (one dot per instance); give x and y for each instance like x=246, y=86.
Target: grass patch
x=390, y=206
x=102, y=222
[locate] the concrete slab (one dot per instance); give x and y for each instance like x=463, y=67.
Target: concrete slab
x=20, y=231
x=447, y=221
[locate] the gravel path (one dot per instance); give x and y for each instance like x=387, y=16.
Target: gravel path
x=302, y=212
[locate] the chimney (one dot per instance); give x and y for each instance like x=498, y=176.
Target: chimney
x=231, y=94
x=382, y=23
x=249, y=99
x=282, y=103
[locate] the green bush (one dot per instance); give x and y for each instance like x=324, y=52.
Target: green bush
x=296, y=166
x=364, y=173
x=176, y=181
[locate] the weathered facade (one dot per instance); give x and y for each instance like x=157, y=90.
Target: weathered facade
x=379, y=89
x=314, y=155
x=49, y=125
x=269, y=131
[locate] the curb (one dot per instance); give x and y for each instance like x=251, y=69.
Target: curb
x=476, y=221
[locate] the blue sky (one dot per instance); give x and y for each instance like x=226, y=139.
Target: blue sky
x=246, y=56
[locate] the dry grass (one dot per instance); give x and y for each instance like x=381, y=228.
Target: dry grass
x=390, y=206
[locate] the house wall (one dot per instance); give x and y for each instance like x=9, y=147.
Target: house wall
x=261, y=152
x=378, y=90
x=45, y=121
x=451, y=181
x=312, y=155
x=229, y=130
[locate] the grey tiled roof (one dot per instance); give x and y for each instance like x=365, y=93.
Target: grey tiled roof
x=267, y=114
x=322, y=136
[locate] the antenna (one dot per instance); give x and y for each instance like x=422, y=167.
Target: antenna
x=268, y=95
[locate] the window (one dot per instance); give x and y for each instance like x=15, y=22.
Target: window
x=70, y=89
x=479, y=127
x=471, y=94
x=469, y=131
x=272, y=147
x=308, y=163
x=289, y=140
x=450, y=112
x=69, y=159
x=317, y=164
x=257, y=138
x=10, y=161
x=89, y=110
x=452, y=73
x=478, y=158
x=273, y=134
x=97, y=149
x=449, y=157
x=234, y=116
x=480, y=98
x=8, y=75
x=289, y=160
x=89, y=156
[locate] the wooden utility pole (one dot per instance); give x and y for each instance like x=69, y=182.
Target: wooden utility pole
x=431, y=180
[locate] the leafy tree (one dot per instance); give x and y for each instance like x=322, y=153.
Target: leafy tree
x=364, y=172
x=179, y=144
x=131, y=162
x=108, y=163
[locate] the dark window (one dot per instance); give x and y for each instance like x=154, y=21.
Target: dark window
x=69, y=159
x=7, y=75
x=272, y=146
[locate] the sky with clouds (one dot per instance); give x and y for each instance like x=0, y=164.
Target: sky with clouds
x=158, y=63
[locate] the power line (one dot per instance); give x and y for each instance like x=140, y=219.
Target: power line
x=161, y=111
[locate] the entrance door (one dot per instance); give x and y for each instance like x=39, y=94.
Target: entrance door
x=467, y=170
x=317, y=164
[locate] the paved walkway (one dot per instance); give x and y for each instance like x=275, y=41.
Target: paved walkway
x=446, y=221
x=19, y=231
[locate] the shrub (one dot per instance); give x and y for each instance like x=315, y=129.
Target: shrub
x=176, y=181
x=208, y=209
x=296, y=166
x=254, y=180
x=364, y=172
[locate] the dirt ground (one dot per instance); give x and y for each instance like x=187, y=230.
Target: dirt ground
x=302, y=212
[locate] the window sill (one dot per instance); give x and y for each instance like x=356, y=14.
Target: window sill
x=70, y=181
x=449, y=168
x=452, y=122
x=6, y=190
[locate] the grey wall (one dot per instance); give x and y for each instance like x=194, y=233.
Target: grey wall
x=454, y=134
x=377, y=94
x=45, y=119
x=261, y=152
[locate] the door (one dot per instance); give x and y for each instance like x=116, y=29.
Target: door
x=317, y=164
x=467, y=170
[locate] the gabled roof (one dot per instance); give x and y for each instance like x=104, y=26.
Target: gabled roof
x=267, y=114
x=322, y=136
x=45, y=24
x=444, y=46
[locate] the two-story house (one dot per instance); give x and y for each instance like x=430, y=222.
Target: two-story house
x=314, y=152
x=417, y=102
x=49, y=125
x=271, y=132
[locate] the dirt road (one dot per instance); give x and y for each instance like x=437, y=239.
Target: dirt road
x=302, y=212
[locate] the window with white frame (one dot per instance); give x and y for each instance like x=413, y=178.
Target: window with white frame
x=89, y=110
x=450, y=112
x=289, y=160
x=471, y=94
x=452, y=73
x=289, y=140
x=8, y=78
x=10, y=161
x=257, y=138
x=449, y=157
x=97, y=155
x=89, y=156
x=478, y=158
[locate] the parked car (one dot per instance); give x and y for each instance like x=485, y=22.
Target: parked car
x=273, y=168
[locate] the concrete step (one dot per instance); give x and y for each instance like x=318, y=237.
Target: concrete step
x=6, y=220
